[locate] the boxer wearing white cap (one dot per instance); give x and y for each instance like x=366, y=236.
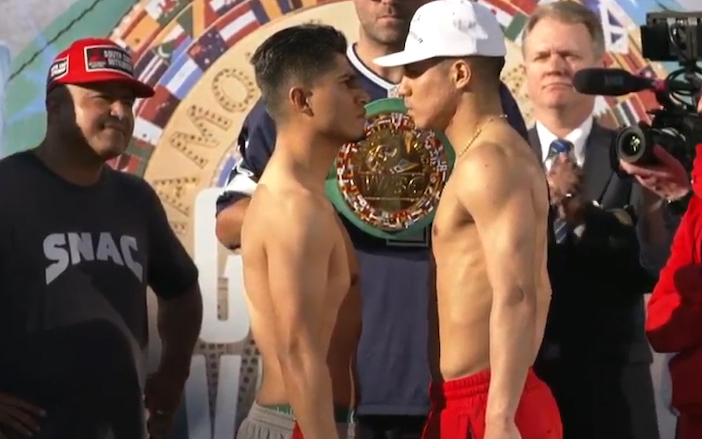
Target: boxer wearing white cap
x=489, y=233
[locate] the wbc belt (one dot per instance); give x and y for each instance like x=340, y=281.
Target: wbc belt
x=388, y=184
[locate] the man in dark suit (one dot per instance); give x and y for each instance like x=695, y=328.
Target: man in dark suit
x=595, y=355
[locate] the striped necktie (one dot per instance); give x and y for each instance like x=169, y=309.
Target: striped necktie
x=560, y=229
x=558, y=146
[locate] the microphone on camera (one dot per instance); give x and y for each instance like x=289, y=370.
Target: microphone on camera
x=618, y=82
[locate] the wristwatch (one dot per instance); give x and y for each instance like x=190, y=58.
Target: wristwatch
x=678, y=206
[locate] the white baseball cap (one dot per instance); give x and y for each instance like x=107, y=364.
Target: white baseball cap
x=450, y=28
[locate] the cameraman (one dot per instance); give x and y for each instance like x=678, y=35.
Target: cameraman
x=674, y=317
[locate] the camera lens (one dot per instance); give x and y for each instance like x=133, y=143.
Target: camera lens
x=631, y=145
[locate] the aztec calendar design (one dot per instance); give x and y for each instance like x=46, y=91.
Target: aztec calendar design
x=195, y=54
x=392, y=179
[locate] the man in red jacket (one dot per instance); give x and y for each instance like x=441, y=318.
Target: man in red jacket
x=674, y=318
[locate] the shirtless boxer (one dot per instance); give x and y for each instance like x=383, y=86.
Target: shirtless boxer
x=489, y=233
x=299, y=267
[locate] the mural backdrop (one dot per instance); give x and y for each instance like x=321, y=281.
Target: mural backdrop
x=195, y=54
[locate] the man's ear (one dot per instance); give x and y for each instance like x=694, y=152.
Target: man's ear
x=300, y=100
x=57, y=98
x=461, y=73
x=600, y=62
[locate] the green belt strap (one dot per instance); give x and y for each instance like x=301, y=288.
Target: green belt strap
x=342, y=415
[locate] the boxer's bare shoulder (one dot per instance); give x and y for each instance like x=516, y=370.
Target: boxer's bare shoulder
x=293, y=238
x=500, y=169
x=489, y=242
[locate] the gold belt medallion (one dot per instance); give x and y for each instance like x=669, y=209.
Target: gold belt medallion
x=389, y=184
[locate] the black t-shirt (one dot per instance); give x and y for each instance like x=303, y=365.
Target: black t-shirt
x=75, y=263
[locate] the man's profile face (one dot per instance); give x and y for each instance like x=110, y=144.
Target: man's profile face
x=386, y=21
x=104, y=115
x=553, y=52
x=338, y=103
x=429, y=93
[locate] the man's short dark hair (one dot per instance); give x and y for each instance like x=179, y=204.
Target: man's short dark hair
x=296, y=55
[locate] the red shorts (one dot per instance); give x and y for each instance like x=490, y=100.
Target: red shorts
x=458, y=409
x=297, y=433
x=689, y=427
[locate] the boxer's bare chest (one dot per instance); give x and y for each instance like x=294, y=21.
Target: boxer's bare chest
x=453, y=227
x=457, y=251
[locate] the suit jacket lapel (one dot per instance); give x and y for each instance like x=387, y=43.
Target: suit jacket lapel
x=597, y=167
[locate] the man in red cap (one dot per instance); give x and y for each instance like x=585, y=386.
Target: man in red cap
x=79, y=245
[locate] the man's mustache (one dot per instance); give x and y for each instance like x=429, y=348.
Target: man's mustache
x=116, y=125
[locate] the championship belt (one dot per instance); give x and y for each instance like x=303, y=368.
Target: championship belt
x=388, y=184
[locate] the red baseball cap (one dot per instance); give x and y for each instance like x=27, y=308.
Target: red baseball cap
x=92, y=60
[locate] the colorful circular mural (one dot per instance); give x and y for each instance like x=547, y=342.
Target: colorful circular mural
x=195, y=54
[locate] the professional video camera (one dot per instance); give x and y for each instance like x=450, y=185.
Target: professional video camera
x=676, y=126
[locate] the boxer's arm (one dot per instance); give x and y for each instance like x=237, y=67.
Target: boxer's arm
x=498, y=195
x=298, y=264
x=255, y=143
x=674, y=317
